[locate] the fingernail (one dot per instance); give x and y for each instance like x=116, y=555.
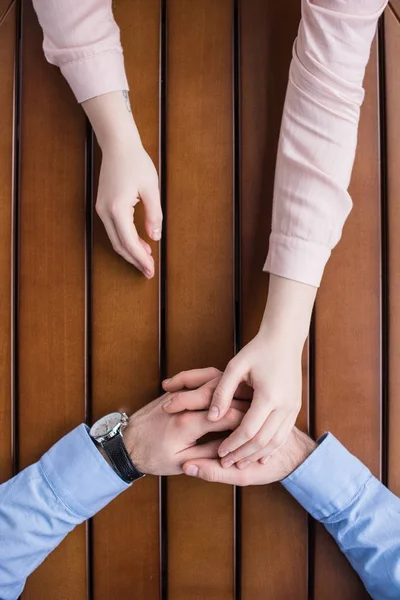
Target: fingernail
x=192, y=470
x=223, y=453
x=148, y=273
x=156, y=234
x=244, y=464
x=265, y=459
x=227, y=464
x=166, y=381
x=166, y=404
x=213, y=413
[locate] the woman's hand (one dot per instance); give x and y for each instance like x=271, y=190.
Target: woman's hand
x=271, y=365
x=127, y=176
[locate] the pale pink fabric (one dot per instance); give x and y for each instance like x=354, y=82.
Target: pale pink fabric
x=319, y=135
x=320, y=120
x=82, y=38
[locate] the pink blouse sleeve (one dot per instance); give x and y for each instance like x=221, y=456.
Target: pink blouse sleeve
x=82, y=38
x=319, y=135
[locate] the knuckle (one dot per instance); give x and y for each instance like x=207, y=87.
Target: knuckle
x=214, y=372
x=211, y=476
x=101, y=211
x=247, y=433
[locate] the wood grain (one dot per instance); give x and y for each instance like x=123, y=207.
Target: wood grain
x=7, y=58
x=392, y=39
x=52, y=286
x=347, y=349
x=199, y=270
x=395, y=6
x=271, y=520
x=125, y=341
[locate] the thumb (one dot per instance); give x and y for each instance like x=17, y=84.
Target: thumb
x=225, y=391
x=153, y=214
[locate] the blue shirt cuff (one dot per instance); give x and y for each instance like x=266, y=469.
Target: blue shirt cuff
x=79, y=475
x=328, y=479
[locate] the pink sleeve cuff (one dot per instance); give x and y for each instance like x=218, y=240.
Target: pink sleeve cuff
x=96, y=75
x=297, y=259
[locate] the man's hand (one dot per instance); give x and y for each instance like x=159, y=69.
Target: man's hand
x=127, y=176
x=159, y=443
x=278, y=466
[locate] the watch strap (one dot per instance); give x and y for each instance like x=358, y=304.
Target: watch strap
x=118, y=455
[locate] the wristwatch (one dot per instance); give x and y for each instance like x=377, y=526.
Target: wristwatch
x=107, y=432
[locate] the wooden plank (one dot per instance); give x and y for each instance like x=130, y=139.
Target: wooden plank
x=125, y=340
x=347, y=350
x=52, y=284
x=7, y=57
x=199, y=270
x=395, y=6
x=392, y=43
x=271, y=520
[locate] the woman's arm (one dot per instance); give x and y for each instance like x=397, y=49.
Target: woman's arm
x=319, y=135
x=311, y=203
x=83, y=40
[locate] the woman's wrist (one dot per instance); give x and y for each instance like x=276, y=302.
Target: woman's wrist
x=111, y=118
x=288, y=311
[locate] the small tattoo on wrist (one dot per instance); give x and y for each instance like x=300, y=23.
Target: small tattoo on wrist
x=125, y=94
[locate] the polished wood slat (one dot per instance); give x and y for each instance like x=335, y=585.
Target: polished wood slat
x=392, y=38
x=271, y=520
x=125, y=341
x=348, y=339
x=395, y=6
x=7, y=57
x=199, y=270
x=52, y=286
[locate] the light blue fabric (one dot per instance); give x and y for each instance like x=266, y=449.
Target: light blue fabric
x=358, y=511
x=38, y=507
x=72, y=482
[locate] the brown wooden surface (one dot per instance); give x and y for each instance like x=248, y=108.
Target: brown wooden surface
x=125, y=341
x=199, y=270
x=271, y=520
x=392, y=36
x=347, y=351
x=52, y=290
x=7, y=57
x=395, y=5
x=124, y=556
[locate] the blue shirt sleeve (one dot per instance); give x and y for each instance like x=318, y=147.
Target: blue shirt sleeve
x=43, y=503
x=360, y=513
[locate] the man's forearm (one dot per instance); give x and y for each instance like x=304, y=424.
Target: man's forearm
x=43, y=503
x=361, y=514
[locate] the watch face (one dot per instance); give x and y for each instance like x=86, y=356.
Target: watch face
x=105, y=425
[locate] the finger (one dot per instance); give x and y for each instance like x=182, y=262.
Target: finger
x=253, y=421
x=258, y=443
x=211, y=470
x=197, y=399
x=116, y=242
x=146, y=246
x=225, y=391
x=207, y=450
x=190, y=379
x=196, y=424
x=130, y=241
x=153, y=213
x=277, y=441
